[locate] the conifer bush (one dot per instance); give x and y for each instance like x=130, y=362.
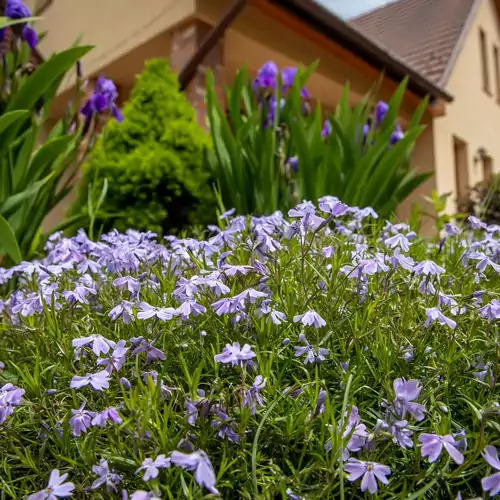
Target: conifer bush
x=153, y=161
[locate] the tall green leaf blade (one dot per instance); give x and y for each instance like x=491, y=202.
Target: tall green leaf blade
x=7, y=119
x=44, y=76
x=8, y=241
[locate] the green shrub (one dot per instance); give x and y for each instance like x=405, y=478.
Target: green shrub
x=483, y=201
x=153, y=161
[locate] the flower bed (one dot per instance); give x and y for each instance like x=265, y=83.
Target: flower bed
x=321, y=355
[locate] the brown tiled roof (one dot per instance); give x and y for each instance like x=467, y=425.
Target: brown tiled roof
x=424, y=33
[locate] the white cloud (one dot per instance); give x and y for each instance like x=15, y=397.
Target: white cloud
x=349, y=8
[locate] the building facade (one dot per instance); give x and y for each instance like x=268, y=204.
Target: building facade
x=461, y=120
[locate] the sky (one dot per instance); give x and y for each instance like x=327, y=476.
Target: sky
x=349, y=8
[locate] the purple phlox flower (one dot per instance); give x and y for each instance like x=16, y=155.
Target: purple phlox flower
x=225, y=427
x=190, y=307
x=249, y=296
x=252, y=396
x=116, y=359
x=428, y=267
x=484, y=261
x=290, y=495
x=110, y=414
x=57, y=488
x=398, y=259
x=98, y=342
x=401, y=435
x=398, y=240
x=372, y=266
x=102, y=100
x=476, y=223
x=229, y=213
x=319, y=408
x=227, y=306
x=153, y=375
x=483, y=369
x=451, y=229
x=355, y=431
x=196, y=408
x=310, y=318
x=10, y=397
x=461, y=439
x=87, y=265
x=311, y=355
x=327, y=252
x=369, y=471
x=125, y=383
x=333, y=206
x=276, y=317
x=408, y=353
x=98, y=381
x=235, y=270
x=432, y=446
x=105, y=477
x=490, y=311
x=448, y=301
x=491, y=483
x=163, y=313
x=143, y=495
x=434, y=314
x=327, y=129
x=81, y=420
x=407, y=391
x=133, y=285
x=235, y=354
x=152, y=352
x=199, y=463
x=152, y=467
x=426, y=286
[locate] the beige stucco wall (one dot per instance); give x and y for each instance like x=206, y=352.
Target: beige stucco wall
x=474, y=116
x=114, y=27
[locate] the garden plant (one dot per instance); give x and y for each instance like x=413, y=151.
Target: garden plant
x=271, y=150
x=325, y=353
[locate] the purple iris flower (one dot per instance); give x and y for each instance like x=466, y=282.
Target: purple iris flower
x=310, y=318
x=491, y=484
x=432, y=446
x=236, y=355
x=10, y=397
x=267, y=76
x=397, y=135
x=16, y=9
x=102, y=100
x=152, y=467
x=199, y=463
x=407, y=391
x=252, y=396
x=98, y=381
x=81, y=420
x=110, y=414
x=369, y=471
x=434, y=314
x=293, y=163
x=381, y=110
x=57, y=488
x=163, y=313
x=105, y=477
x=327, y=129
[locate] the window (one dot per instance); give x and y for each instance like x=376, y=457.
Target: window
x=461, y=170
x=487, y=169
x=484, y=62
x=497, y=72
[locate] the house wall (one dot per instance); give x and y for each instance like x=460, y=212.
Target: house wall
x=114, y=27
x=474, y=116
